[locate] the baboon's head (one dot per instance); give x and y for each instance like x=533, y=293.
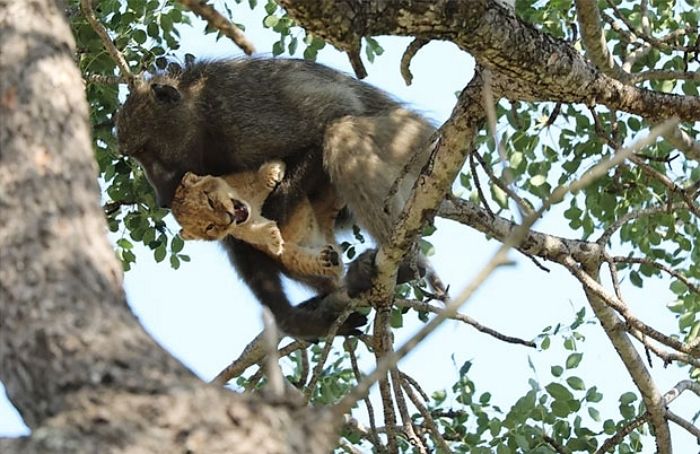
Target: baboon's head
x=157, y=127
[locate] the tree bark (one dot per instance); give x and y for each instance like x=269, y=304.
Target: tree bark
x=74, y=360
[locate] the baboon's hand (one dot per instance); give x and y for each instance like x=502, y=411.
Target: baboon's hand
x=360, y=273
x=313, y=318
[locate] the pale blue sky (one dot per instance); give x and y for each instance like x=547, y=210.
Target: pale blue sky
x=205, y=316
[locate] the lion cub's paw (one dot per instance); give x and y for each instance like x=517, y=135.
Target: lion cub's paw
x=274, y=173
x=331, y=260
x=274, y=240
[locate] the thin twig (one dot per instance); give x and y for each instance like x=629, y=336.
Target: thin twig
x=427, y=418
x=630, y=216
x=219, y=22
x=427, y=307
x=669, y=397
x=373, y=437
x=272, y=366
x=408, y=55
x=325, y=352
x=356, y=62
x=694, y=431
x=643, y=261
x=406, y=421
x=477, y=183
x=415, y=386
x=525, y=207
x=89, y=12
x=382, y=349
x=622, y=309
x=670, y=185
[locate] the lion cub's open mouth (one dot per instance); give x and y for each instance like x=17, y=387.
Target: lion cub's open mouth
x=240, y=212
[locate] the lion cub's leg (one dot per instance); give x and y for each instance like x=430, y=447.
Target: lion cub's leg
x=312, y=262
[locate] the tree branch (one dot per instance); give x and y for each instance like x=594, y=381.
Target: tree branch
x=89, y=13
x=427, y=307
x=534, y=65
x=219, y=22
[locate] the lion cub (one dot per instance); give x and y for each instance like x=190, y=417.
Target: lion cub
x=209, y=208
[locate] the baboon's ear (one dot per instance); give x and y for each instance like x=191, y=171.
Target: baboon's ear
x=166, y=94
x=186, y=236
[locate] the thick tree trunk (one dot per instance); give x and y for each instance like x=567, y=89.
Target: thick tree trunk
x=75, y=362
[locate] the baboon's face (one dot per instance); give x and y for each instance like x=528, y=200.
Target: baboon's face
x=154, y=128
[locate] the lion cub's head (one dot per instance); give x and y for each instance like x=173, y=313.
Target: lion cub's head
x=207, y=207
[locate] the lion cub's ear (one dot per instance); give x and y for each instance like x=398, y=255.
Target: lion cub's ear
x=186, y=235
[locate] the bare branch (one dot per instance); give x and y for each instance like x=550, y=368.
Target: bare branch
x=668, y=397
x=407, y=422
x=427, y=307
x=524, y=206
x=409, y=380
x=326, y=351
x=382, y=349
x=661, y=74
x=427, y=418
x=103, y=79
x=408, y=55
x=477, y=184
x=670, y=185
x=356, y=62
x=272, y=366
x=89, y=12
x=640, y=260
x=694, y=431
x=594, y=39
x=252, y=354
x=594, y=287
x=373, y=437
x=630, y=216
x=622, y=433
x=219, y=22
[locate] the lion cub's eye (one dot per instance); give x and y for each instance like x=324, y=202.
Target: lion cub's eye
x=211, y=204
x=210, y=227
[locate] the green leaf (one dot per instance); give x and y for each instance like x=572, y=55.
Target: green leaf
x=124, y=243
x=293, y=44
x=628, y=398
x=177, y=244
x=159, y=253
x=546, y=341
x=636, y=279
x=559, y=392
x=278, y=48
x=139, y=36
x=270, y=21
x=575, y=383
x=396, y=318
x=573, y=360
x=557, y=371
x=594, y=414
x=270, y=7
x=592, y=395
